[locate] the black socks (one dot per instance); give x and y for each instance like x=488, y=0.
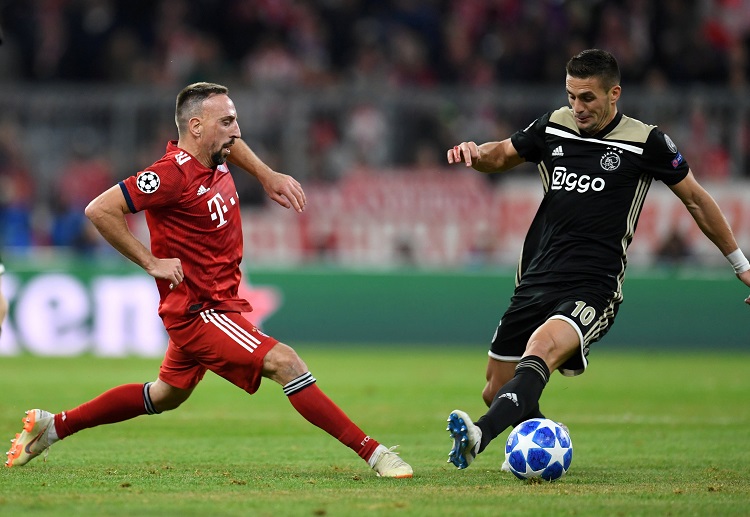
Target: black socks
x=517, y=400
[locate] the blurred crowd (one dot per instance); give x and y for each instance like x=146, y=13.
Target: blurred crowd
x=306, y=45
x=398, y=42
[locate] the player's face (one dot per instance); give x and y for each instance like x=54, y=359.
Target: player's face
x=593, y=106
x=219, y=127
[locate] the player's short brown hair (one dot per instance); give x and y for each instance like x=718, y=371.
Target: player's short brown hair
x=595, y=63
x=190, y=101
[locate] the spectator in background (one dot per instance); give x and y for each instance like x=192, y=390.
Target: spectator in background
x=707, y=142
x=87, y=174
x=370, y=67
x=367, y=135
x=185, y=52
x=328, y=158
x=410, y=60
x=272, y=64
x=674, y=250
x=624, y=31
x=17, y=192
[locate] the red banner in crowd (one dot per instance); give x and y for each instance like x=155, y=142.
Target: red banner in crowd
x=450, y=219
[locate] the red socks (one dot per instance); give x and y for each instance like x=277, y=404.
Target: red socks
x=319, y=410
x=118, y=404
x=127, y=401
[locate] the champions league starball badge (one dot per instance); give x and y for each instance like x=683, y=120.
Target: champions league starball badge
x=148, y=182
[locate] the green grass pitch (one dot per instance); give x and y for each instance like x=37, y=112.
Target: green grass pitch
x=652, y=434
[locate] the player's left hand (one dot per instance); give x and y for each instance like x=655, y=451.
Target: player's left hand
x=285, y=190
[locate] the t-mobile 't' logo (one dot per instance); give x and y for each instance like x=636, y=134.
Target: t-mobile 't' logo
x=217, y=208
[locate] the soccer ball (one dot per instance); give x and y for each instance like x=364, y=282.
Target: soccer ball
x=539, y=448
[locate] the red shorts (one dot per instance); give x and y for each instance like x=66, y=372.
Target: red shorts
x=223, y=342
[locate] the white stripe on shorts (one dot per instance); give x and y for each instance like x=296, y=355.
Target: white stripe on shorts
x=504, y=358
x=230, y=328
x=238, y=328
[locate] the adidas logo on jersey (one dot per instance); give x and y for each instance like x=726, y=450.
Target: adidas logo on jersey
x=202, y=190
x=558, y=151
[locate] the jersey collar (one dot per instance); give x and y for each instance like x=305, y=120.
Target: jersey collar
x=606, y=129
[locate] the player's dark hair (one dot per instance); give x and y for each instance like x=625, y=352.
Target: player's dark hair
x=190, y=101
x=595, y=63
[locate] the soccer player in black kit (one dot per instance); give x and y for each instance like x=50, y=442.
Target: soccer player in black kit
x=596, y=167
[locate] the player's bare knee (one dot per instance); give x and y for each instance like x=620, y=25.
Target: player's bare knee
x=543, y=344
x=164, y=397
x=543, y=348
x=555, y=342
x=282, y=364
x=168, y=404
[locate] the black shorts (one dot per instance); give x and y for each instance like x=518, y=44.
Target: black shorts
x=591, y=312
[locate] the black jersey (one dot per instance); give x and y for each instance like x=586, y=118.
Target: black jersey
x=594, y=189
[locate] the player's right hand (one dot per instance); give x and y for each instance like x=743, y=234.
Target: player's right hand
x=466, y=152
x=167, y=269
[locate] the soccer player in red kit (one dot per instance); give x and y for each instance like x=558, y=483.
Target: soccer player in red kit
x=192, y=212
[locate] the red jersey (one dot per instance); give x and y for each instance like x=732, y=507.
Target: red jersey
x=193, y=214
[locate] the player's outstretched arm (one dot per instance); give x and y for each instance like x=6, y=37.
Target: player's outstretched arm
x=710, y=219
x=282, y=188
x=488, y=157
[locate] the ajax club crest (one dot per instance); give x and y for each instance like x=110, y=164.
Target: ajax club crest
x=610, y=160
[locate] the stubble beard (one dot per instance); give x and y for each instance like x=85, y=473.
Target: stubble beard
x=218, y=158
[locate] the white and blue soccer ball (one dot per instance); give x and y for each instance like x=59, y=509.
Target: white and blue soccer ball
x=539, y=448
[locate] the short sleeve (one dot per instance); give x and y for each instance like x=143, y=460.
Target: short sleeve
x=158, y=186
x=530, y=143
x=663, y=160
